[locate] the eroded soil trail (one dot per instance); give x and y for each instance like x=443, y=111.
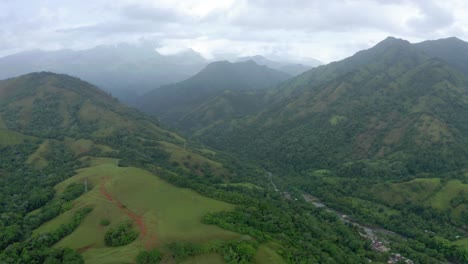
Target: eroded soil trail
x=137, y=219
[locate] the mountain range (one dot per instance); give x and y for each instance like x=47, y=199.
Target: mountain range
x=124, y=70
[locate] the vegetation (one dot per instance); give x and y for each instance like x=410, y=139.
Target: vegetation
x=233, y=252
x=104, y=222
x=149, y=257
x=121, y=235
x=37, y=249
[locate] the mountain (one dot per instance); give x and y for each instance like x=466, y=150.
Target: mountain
x=85, y=178
x=221, y=90
x=380, y=137
x=124, y=70
x=367, y=107
x=292, y=68
x=453, y=50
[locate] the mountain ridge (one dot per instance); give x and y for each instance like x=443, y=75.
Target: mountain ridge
x=392, y=63
x=223, y=80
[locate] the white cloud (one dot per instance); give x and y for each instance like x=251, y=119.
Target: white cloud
x=326, y=30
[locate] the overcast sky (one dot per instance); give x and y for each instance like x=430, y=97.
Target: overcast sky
x=327, y=30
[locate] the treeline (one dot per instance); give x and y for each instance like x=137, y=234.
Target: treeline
x=38, y=248
x=24, y=189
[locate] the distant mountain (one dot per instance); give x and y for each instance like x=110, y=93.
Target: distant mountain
x=388, y=105
x=292, y=68
x=124, y=70
x=222, y=89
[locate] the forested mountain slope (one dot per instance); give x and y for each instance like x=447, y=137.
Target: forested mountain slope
x=381, y=137
x=392, y=104
x=453, y=50
x=220, y=91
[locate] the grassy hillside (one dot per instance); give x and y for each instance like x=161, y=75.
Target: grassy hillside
x=145, y=195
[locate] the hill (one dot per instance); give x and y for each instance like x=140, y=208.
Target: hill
x=124, y=70
x=221, y=90
x=84, y=178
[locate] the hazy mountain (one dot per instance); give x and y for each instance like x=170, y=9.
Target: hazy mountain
x=392, y=103
x=124, y=70
x=221, y=90
x=454, y=51
x=292, y=68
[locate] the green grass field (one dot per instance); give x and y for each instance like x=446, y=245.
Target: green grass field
x=441, y=200
x=205, y=259
x=169, y=213
x=414, y=191
x=266, y=254
x=191, y=160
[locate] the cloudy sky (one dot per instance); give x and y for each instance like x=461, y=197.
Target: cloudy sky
x=326, y=30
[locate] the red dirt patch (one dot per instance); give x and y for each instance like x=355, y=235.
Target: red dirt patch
x=137, y=219
x=84, y=249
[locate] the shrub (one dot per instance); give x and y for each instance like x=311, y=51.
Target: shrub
x=121, y=235
x=149, y=257
x=105, y=222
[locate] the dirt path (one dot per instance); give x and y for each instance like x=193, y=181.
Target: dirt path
x=137, y=219
x=84, y=249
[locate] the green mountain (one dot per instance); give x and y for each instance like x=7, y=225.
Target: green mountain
x=84, y=178
x=221, y=90
x=454, y=51
x=392, y=103
x=381, y=137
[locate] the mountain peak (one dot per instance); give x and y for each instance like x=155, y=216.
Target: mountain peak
x=392, y=41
